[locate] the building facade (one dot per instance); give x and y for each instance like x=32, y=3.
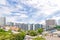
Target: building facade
x=50, y=24
x=2, y=21
x=25, y=26
x=37, y=26
x=10, y=24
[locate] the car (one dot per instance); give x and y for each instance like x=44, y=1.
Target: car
x=58, y=35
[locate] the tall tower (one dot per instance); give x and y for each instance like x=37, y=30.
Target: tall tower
x=2, y=21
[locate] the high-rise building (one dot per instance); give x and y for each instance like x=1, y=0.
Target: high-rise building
x=2, y=21
x=50, y=24
x=18, y=24
x=10, y=23
x=37, y=26
x=31, y=26
x=24, y=26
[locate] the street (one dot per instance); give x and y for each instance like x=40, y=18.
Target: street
x=52, y=38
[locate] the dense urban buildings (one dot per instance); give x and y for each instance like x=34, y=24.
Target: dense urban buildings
x=31, y=26
x=51, y=23
x=25, y=26
x=10, y=24
x=37, y=26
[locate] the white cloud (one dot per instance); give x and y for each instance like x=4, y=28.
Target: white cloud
x=23, y=16
x=42, y=22
x=4, y=10
x=45, y=8
x=11, y=19
x=56, y=18
x=3, y=2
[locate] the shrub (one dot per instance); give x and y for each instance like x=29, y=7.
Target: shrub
x=32, y=33
x=19, y=36
x=39, y=38
x=57, y=27
x=10, y=31
x=28, y=32
x=9, y=36
x=40, y=30
x=2, y=30
x=5, y=35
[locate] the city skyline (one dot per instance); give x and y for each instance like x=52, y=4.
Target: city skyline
x=4, y=21
x=30, y=11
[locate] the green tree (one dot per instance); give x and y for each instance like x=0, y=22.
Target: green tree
x=32, y=33
x=10, y=31
x=39, y=38
x=57, y=27
x=5, y=35
x=8, y=35
x=40, y=30
x=2, y=30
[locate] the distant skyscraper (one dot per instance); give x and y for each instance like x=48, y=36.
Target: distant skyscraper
x=24, y=26
x=50, y=24
x=10, y=23
x=31, y=26
x=37, y=26
x=2, y=21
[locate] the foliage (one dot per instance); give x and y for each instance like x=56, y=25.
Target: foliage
x=57, y=27
x=28, y=32
x=2, y=30
x=5, y=35
x=32, y=33
x=9, y=31
x=8, y=35
x=39, y=38
x=40, y=30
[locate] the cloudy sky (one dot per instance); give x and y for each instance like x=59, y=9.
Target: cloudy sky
x=30, y=11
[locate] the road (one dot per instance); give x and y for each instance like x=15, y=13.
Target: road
x=52, y=38
x=47, y=38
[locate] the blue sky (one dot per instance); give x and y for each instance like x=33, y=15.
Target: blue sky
x=30, y=11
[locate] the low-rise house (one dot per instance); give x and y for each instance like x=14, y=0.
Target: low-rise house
x=14, y=28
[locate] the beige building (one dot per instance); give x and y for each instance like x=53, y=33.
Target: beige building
x=50, y=23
